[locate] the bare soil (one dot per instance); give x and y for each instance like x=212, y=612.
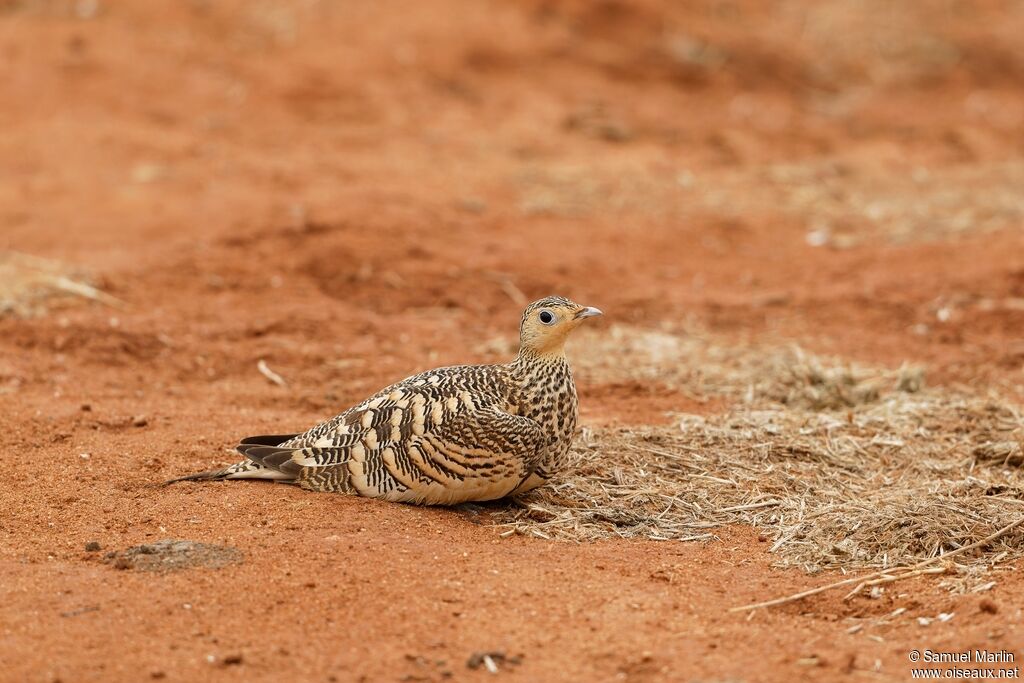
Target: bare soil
x=353, y=192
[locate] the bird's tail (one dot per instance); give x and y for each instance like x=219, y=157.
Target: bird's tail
x=247, y=469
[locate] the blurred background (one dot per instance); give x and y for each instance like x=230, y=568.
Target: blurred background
x=748, y=163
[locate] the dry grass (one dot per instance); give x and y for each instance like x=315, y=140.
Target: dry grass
x=839, y=466
x=30, y=285
x=840, y=206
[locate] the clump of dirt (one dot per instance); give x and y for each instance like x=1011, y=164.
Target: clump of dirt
x=173, y=555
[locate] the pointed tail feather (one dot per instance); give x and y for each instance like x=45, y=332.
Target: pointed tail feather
x=213, y=475
x=247, y=469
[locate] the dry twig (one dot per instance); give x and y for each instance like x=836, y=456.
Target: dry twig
x=270, y=374
x=887, y=575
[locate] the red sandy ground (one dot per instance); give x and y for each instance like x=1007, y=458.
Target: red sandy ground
x=337, y=188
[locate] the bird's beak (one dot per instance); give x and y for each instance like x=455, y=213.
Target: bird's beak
x=588, y=312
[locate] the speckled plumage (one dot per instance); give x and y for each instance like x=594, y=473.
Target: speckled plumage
x=445, y=436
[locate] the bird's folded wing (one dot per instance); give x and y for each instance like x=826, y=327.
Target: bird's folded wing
x=263, y=440
x=410, y=439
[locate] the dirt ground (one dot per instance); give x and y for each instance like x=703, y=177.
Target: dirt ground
x=355, y=191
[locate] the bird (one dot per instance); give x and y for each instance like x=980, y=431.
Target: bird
x=452, y=435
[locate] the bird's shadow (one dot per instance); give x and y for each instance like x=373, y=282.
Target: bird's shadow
x=483, y=512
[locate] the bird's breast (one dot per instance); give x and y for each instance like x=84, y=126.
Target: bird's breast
x=549, y=398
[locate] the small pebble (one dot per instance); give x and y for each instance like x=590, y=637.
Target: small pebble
x=92, y=546
x=988, y=606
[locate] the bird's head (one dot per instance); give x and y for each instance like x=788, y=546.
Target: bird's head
x=547, y=323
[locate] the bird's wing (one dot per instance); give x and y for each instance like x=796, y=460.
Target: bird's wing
x=416, y=444
x=263, y=440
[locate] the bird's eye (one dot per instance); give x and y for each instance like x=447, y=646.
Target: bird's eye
x=547, y=317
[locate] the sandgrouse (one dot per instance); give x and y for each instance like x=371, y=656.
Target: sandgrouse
x=446, y=436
